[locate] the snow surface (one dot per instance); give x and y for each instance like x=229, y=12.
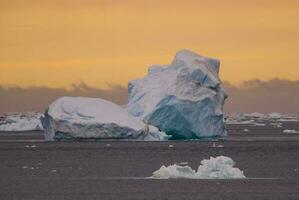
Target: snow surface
x=21, y=122
x=184, y=99
x=220, y=167
x=81, y=117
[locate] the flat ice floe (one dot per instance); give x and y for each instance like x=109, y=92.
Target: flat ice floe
x=21, y=122
x=220, y=167
x=290, y=131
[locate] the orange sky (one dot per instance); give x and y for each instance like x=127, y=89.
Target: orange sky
x=56, y=43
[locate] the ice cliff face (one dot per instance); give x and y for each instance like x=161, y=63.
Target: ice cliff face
x=183, y=99
x=80, y=117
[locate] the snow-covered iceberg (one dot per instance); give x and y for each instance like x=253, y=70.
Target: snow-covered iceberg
x=184, y=99
x=220, y=167
x=80, y=117
x=29, y=121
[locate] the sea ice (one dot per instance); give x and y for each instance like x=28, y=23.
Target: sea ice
x=184, y=99
x=21, y=122
x=81, y=117
x=220, y=167
x=275, y=115
x=290, y=131
x=254, y=115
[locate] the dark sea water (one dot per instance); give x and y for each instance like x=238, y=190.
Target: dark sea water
x=31, y=169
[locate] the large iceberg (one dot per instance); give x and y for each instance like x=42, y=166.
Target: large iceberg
x=184, y=99
x=220, y=167
x=81, y=117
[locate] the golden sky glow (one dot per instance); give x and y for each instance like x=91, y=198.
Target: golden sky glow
x=59, y=42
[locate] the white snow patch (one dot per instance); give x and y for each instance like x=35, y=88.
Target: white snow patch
x=220, y=167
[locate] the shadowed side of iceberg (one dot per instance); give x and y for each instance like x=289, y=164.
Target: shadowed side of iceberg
x=174, y=116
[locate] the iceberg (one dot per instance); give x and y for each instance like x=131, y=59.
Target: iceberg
x=220, y=167
x=29, y=121
x=81, y=117
x=275, y=115
x=184, y=99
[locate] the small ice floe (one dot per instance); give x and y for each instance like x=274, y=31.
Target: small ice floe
x=290, y=131
x=239, y=121
x=217, y=146
x=53, y=170
x=246, y=130
x=291, y=119
x=31, y=168
x=220, y=167
x=254, y=115
x=259, y=124
x=277, y=125
x=170, y=146
x=31, y=146
x=108, y=145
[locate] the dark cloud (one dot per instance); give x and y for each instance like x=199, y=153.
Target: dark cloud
x=263, y=96
x=38, y=98
x=252, y=96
